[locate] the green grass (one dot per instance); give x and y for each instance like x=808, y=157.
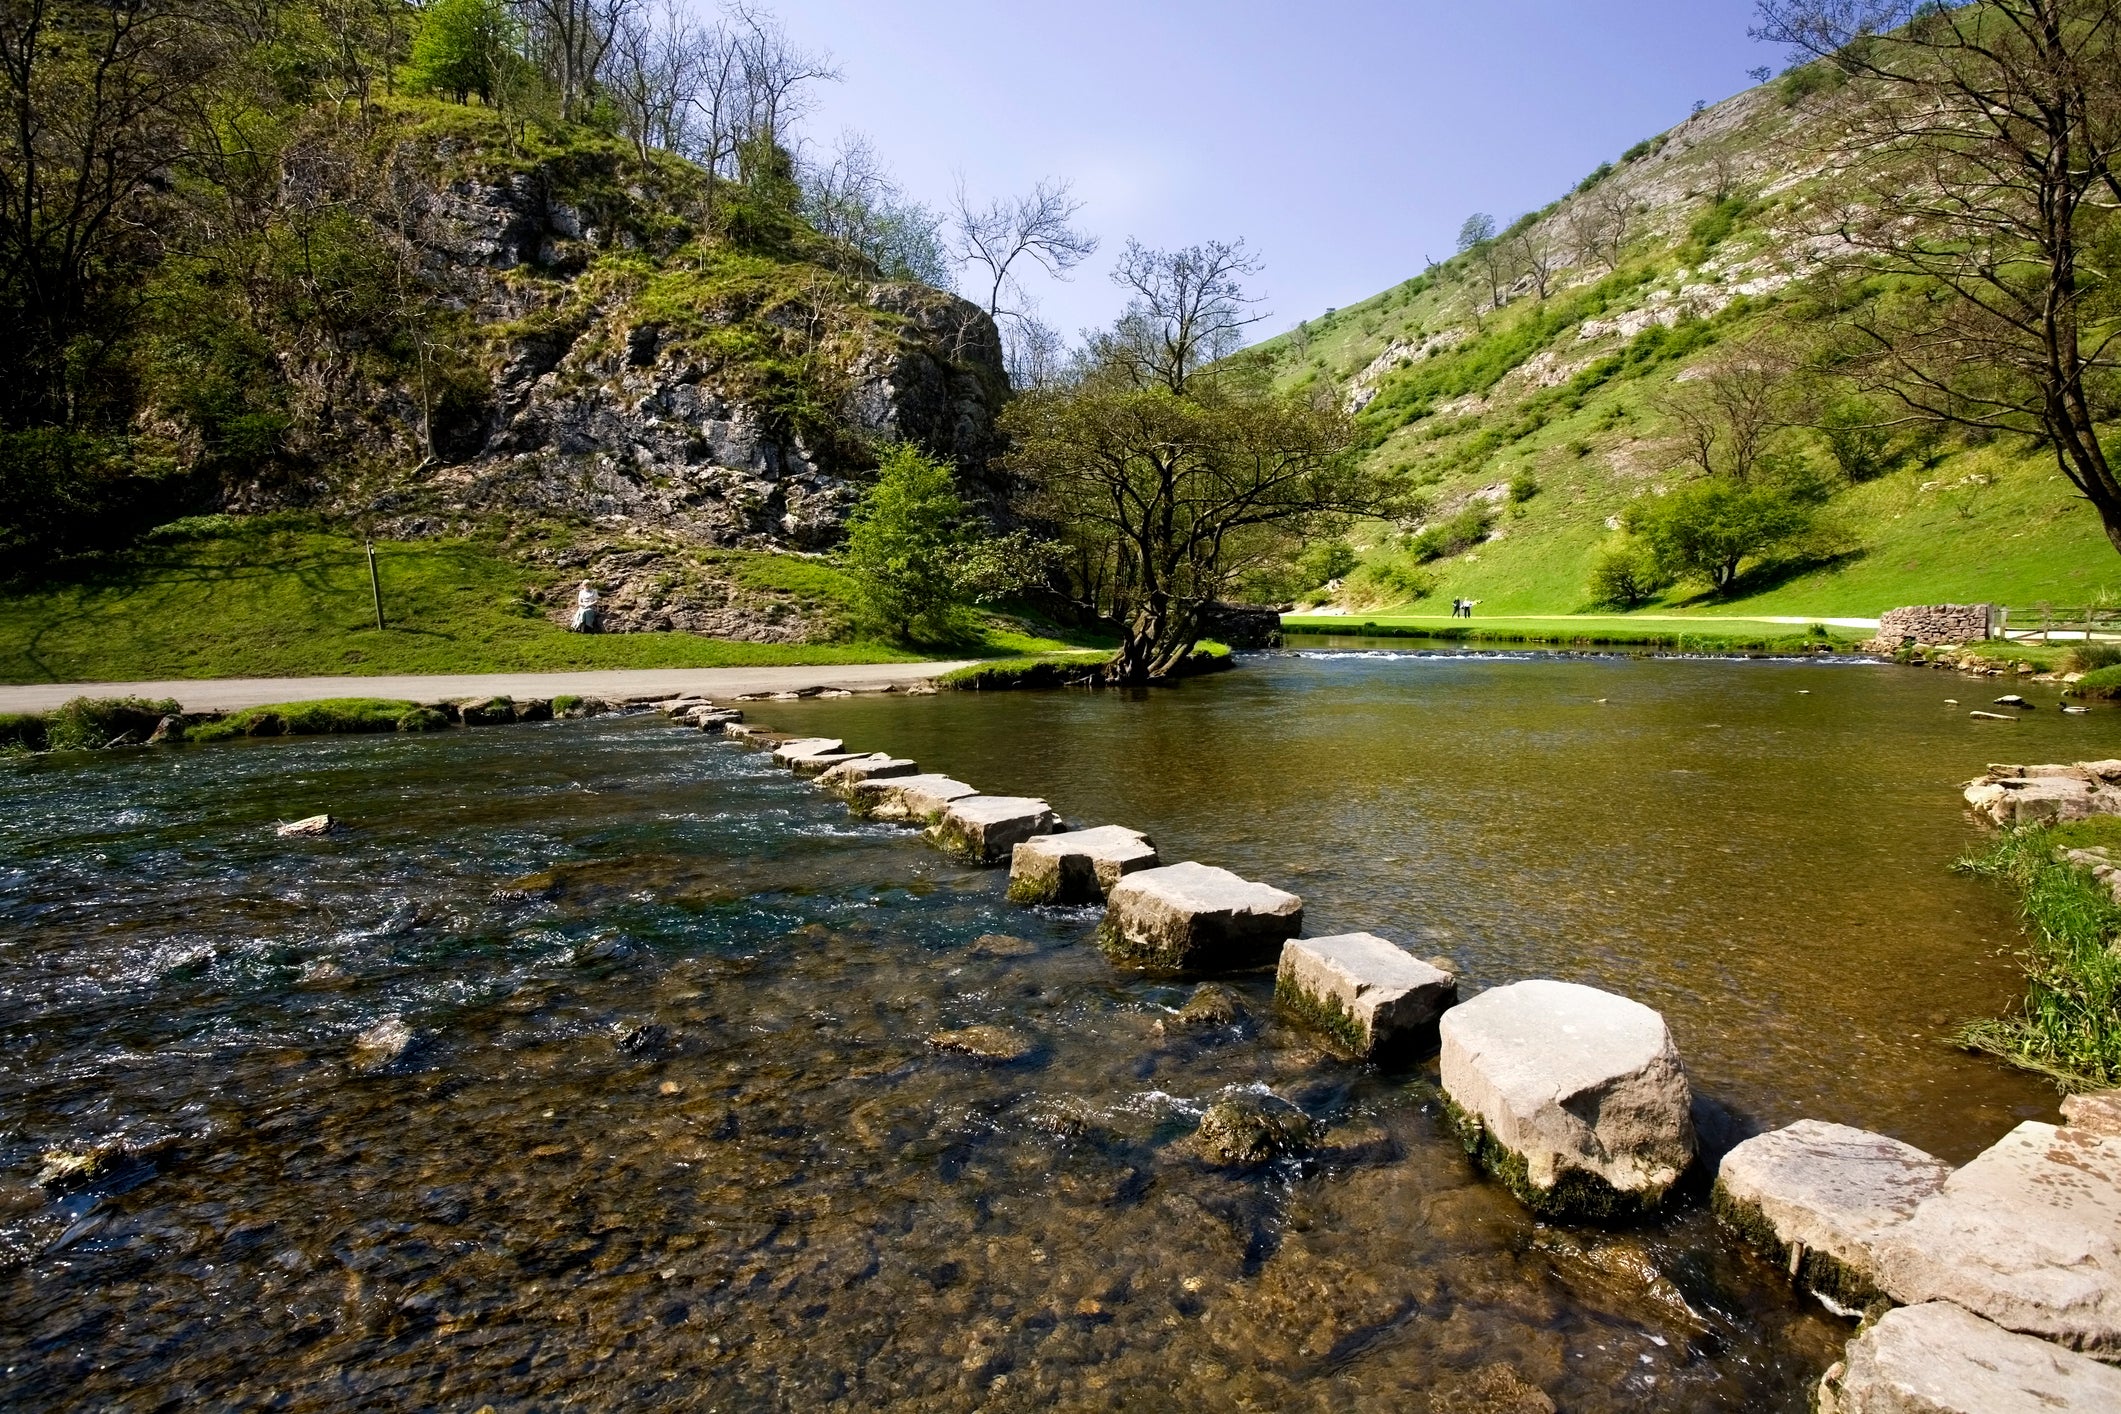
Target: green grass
x=331, y=716
x=281, y=598
x=1700, y=633
x=2102, y=683
x=2069, y=1025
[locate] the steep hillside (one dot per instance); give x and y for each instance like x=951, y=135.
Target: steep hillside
x=1533, y=418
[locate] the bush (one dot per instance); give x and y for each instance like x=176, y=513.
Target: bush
x=458, y=48
x=90, y=724
x=1626, y=577
x=1862, y=449
x=904, y=545
x=21, y=731
x=1390, y=582
x=1523, y=487
x=1461, y=532
x=2091, y=657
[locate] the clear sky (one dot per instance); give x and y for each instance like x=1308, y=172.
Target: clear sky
x=1344, y=141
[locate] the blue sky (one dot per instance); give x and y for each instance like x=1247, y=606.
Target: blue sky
x=1343, y=141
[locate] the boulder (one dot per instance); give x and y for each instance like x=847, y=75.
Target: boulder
x=785, y=753
x=1212, y=1007
x=844, y=777
x=1573, y=1097
x=307, y=825
x=1077, y=866
x=1367, y=996
x=2029, y=795
x=1937, y=1359
x=2028, y=1235
x=985, y=828
x=1196, y=918
x=486, y=711
x=1246, y=1128
x=918, y=799
x=383, y=1045
x=1819, y=1197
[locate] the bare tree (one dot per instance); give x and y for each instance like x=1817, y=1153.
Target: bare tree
x=1034, y=353
x=1983, y=156
x=1187, y=309
x=1600, y=222
x=1039, y=227
x=573, y=37
x=851, y=197
x=1536, y=256
x=1728, y=416
x=775, y=74
x=657, y=64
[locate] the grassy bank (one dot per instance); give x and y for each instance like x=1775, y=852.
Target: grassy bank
x=280, y=598
x=1586, y=630
x=2069, y=1025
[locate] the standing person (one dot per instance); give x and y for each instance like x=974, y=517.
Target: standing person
x=585, y=609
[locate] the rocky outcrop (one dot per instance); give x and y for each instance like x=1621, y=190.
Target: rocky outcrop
x=1573, y=1097
x=1366, y=996
x=1938, y=1359
x=1077, y=866
x=1820, y=1197
x=1196, y=918
x=2041, y=795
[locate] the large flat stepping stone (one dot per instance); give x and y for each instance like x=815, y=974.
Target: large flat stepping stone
x=1196, y=918
x=919, y=799
x=843, y=777
x=713, y=719
x=1819, y=1197
x=787, y=752
x=1369, y=997
x=822, y=762
x=985, y=828
x=1573, y=1097
x=2028, y=1235
x=1077, y=866
x=755, y=733
x=1937, y=1359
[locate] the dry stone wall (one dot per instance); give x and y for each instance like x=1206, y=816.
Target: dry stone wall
x=1937, y=623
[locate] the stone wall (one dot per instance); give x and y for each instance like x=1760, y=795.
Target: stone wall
x=1937, y=623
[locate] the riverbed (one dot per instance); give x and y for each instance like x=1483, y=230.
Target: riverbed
x=670, y=1133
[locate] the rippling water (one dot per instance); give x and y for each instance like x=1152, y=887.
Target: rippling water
x=785, y=1198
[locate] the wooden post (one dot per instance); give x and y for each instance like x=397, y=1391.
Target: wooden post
x=375, y=585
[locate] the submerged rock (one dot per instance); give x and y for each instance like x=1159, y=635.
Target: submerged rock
x=1938, y=1359
x=308, y=825
x=1367, y=996
x=1491, y=1389
x=2028, y=1235
x=1820, y=1197
x=647, y=1038
x=985, y=828
x=1077, y=866
x=383, y=1045
x=1196, y=918
x=1002, y=945
x=987, y=1043
x=1573, y=1097
x=1212, y=1007
x=1248, y=1128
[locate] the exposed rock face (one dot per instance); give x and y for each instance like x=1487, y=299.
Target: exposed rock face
x=985, y=828
x=2034, y=795
x=1077, y=866
x=918, y=799
x=2028, y=1235
x=1247, y=1128
x=1820, y=1197
x=1368, y=996
x=1574, y=1097
x=1936, y=624
x=1196, y=918
x=1937, y=1359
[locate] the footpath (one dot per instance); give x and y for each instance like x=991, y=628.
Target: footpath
x=619, y=684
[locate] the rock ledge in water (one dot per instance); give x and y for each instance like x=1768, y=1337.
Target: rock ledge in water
x=1573, y=1097
x=1937, y=1359
x=988, y=1043
x=1196, y=918
x=1077, y=866
x=1819, y=1197
x=1366, y=995
x=1249, y=1128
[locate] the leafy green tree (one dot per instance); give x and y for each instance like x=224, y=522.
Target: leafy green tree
x=1709, y=528
x=905, y=546
x=1626, y=577
x=460, y=47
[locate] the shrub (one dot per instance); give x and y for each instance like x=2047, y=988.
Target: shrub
x=21, y=731
x=459, y=47
x=2104, y=683
x=1523, y=487
x=1461, y=532
x=1710, y=528
x=1862, y=449
x=1324, y=560
x=90, y=724
x=904, y=544
x=1626, y=577
x=1390, y=582
x=2091, y=657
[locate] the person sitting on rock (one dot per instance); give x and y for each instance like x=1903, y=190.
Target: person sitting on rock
x=585, y=609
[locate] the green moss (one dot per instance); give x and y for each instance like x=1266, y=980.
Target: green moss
x=91, y=724
x=1324, y=1015
x=1576, y=1196
x=1815, y=1271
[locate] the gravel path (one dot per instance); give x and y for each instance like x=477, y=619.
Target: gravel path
x=231, y=694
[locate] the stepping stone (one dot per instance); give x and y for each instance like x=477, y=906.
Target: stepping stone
x=786, y=753
x=713, y=719
x=1212, y=1007
x=822, y=762
x=985, y=828
x=1573, y=1097
x=1196, y=918
x=1819, y=1197
x=1937, y=1359
x=919, y=799
x=2028, y=1235
x=1077, y=866
x=1368, y=996
x=842, y=779
x=755, y=734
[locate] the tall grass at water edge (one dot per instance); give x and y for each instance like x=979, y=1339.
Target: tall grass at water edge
x=2069, y=1025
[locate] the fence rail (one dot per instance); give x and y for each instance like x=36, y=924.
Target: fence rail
x=2049, y=622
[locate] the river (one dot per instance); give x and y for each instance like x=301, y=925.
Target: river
x=774, y=1193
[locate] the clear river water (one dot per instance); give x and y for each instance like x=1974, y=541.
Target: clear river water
x=670, y=1134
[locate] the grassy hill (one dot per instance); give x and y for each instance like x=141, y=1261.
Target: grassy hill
x=1532, y=422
